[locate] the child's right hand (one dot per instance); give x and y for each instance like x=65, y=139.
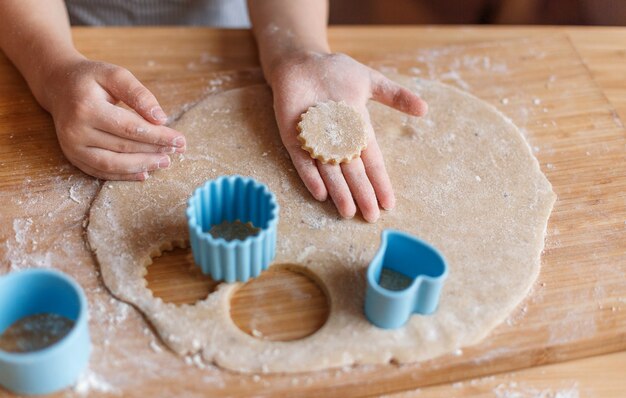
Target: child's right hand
x=99, y=137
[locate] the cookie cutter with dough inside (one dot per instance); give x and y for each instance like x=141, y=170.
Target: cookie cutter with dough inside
x=54, y=367
x=233, y=198
x=415, y=259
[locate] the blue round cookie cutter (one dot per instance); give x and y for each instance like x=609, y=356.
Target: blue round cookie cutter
x=36, y=291
x=415, y=259
x=232, y=198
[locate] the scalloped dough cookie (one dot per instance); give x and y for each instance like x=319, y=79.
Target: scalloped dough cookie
x=332, y=132
x=465, y=180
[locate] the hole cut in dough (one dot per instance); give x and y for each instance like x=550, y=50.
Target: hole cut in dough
x=285, y=303
x=175, y=278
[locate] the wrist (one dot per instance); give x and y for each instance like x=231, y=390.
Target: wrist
x=283, y=61
x=45, y=80
x=280, y=47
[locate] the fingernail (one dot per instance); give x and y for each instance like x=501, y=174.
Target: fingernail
x=164, y=163
x=182, y=149
x=167, y=149
x=389, y=207
x=158, y=114
x=389, y=204
x=320, y=197
x=373, y=217
x=179, y=141
x=348, y=216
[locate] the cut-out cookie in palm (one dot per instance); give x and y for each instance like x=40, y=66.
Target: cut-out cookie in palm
x=332, y=132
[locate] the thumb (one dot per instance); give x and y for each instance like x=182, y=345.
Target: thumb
x=305, y=165
x=124, y=86
x=392, y=94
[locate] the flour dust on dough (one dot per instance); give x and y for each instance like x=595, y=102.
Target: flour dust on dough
x=465, y=180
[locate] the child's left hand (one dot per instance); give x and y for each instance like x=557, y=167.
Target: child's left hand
x=307, y=78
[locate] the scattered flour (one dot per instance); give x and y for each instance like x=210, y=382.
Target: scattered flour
x=520, y=390
x=42, y=223
x=90, y=383
x=306, y=253
x=155, y=347
x=72, y=195
x=574, y=326
x=454, y=76
x=35, y=242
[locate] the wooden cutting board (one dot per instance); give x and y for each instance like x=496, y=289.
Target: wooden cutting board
x=577, y=308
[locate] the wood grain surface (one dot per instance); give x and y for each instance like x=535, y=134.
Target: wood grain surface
x=600, y=376
x=563, y=87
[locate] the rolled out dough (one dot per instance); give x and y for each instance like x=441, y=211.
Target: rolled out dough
x=465, y=180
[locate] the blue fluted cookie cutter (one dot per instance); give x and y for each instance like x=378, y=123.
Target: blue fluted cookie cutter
x=415, y=259
x=232, y=198
x=37, y=291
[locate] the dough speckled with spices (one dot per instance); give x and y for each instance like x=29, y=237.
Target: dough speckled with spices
x=465, y=180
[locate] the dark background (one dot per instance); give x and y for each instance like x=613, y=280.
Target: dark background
x=552, y=12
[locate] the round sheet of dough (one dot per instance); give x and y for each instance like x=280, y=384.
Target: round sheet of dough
x=465, y=181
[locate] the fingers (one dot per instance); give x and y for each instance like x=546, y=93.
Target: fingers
x=338, y=189
x=108, y=141
x=361, y=188
x=375, y=169
x=348, y=183
x=104, y=140
x=366, y=179
x=124, y=86
x=345, y=184
x=142, y=176
x=308, y=172
x=125, y=124
x=392, y=94
x=106, y=162
x=304, y=164
x=377, y=174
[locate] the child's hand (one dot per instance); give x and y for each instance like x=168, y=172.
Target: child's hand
x=306, y=79
x=99, y=137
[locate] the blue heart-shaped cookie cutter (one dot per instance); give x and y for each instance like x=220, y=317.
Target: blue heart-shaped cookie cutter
x=412, y=258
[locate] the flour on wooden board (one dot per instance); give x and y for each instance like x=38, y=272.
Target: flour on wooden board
x=47, y=231
x=453, y=65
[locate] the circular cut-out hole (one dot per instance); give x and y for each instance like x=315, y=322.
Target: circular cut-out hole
x=282, y=304
x=174, y=278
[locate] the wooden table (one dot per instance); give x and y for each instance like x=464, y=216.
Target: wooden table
x=565, y=88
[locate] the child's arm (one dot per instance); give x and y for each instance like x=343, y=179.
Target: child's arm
x=298, y=65
x=97, y=136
